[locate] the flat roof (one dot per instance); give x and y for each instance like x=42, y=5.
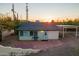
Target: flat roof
x=68, y=26
x=39, y=26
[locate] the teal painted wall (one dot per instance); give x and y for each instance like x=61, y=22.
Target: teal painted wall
x=26, y=36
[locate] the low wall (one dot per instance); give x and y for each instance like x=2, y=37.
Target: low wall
x=9, y=51
x=7, y=33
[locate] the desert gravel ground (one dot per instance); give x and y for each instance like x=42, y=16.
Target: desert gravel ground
x=67, y=49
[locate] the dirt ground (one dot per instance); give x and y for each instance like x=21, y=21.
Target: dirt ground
x=49, y=48
x=67, y=49
x=13, y=41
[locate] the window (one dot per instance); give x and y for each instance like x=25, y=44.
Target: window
x=26, y=33
x=21, y=33
x=31, y=33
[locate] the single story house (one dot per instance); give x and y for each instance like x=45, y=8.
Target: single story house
x=38, y=31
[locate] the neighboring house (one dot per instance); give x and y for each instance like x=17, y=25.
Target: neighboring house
x=7, y=33
x=38, y=31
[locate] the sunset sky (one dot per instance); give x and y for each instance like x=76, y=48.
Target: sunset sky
x=43, y=11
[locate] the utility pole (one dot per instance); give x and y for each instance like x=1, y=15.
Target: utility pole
x=17, y=16
x=13, y=12
x=27, y=12
x=14, y=17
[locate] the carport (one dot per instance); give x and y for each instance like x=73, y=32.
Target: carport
x=66, y=29
x=71, y=27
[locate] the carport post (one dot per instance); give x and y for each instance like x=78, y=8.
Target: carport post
x=76, y=32
x=1, y=33
x=63, y=31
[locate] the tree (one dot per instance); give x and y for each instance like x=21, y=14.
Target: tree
x=70, y=22
x=52, y=21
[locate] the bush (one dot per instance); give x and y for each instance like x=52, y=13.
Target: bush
x=75, y=51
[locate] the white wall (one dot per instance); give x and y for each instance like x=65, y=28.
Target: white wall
x=53, y=34
x=50, y=35
x=10, y=51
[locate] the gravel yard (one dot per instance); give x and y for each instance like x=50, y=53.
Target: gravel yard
x=65, y=47
x=69, y=48
x=13, y=41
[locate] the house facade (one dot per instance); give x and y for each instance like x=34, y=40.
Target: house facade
x=38, y=31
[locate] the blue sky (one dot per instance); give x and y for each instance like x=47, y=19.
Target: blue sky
x=45, y=11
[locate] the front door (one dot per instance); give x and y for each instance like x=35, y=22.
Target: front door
x=35, y=35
